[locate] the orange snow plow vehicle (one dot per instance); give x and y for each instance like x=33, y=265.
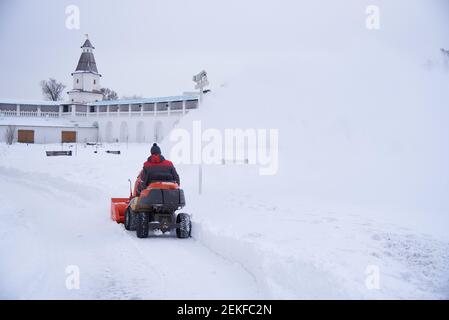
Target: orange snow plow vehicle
x=153, y=209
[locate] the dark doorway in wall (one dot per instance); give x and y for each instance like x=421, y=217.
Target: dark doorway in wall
x=25, y=136
x=68, y=136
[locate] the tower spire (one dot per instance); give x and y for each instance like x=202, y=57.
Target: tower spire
x=87, y=44
x=86, y=79
x=87, y=62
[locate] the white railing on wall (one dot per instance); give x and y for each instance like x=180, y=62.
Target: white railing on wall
x=83, y=114
x=32, y=114
x=28, y=113
x=8, y=113
x=50, y=114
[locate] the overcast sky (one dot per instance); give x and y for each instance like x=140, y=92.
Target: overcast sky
x=152, y=48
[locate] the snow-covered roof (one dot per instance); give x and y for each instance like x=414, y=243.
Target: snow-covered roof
x=102, y=103
x=31, y=102
x=44, y=122
x=144, y=100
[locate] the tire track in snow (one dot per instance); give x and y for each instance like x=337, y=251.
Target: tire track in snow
x=42, y=181
x=51, y=255
x=150, y=266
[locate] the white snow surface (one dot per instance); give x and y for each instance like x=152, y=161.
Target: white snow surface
x=362, y=181
x=55, y=213
x=58, y=216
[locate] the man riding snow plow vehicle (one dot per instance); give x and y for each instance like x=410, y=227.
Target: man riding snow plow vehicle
x=154, y=200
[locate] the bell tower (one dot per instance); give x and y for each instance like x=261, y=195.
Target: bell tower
x=86, y=79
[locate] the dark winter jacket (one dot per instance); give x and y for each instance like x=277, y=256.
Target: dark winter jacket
x=156, y=168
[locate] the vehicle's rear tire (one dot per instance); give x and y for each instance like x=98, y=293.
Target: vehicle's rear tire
x=130, y=220
x=185, y=228
x=142, y=225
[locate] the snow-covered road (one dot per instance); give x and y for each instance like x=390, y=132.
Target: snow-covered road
x=54, y=216
x=48, y=225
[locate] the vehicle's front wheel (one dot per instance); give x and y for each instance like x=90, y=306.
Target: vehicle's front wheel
x=185, y=226
x=142, y=225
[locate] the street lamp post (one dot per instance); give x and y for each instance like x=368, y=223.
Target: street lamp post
x=201, y=82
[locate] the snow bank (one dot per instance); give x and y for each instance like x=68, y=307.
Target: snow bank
x=54, y=215
x=363, y=156
x=370, y=135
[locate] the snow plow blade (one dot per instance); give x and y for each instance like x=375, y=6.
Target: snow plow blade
x=118, y=208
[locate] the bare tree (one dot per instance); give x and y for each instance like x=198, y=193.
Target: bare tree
x=109, y=94
x=9, y=134
x=52, y=90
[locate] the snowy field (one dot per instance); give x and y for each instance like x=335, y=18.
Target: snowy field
x=358, y=208
x=55, y=213
x=59, y=216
